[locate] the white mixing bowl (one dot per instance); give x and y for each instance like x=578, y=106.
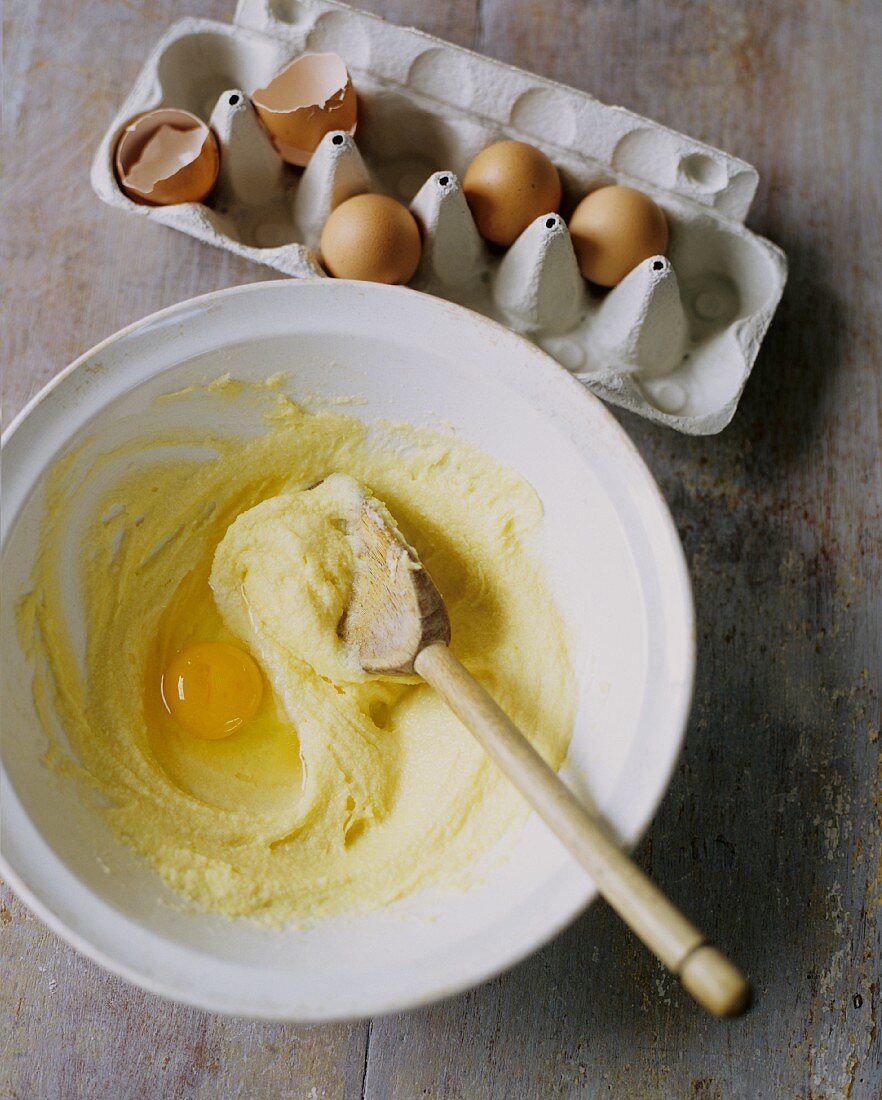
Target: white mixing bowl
x=614, y=559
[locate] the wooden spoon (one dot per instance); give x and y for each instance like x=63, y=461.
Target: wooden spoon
x=398, y=624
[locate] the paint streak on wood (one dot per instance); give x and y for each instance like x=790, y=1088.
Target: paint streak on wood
x=769, y=835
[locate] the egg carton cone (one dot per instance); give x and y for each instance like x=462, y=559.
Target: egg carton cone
x=674, y=341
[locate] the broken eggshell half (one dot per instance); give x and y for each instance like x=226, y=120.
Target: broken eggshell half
x=311, y=96
x=165, y=157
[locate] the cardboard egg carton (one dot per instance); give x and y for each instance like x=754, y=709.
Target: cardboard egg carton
x=674, y=342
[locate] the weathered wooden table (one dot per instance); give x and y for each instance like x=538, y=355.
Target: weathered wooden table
x=769, y=835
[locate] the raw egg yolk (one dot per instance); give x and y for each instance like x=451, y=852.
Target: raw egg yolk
x=211, y=689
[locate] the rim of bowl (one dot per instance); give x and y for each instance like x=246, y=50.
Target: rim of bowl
x=580, y=393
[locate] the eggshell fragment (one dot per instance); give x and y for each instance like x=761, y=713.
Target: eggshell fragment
x=614, y=229
x=373, y=238
x=167, y=156
x=311, y=96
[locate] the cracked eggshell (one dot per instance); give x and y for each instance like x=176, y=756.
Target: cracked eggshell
x=311, y=96
x=166, y=157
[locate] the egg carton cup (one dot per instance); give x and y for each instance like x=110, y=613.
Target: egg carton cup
x=674, y=341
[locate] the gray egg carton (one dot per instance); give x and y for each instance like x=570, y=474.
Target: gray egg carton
x=674, y=342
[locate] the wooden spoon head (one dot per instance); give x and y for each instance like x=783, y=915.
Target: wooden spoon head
x=395, y=610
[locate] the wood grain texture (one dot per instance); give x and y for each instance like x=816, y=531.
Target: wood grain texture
x=769, y=835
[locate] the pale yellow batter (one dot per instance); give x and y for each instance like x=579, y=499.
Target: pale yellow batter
x=344, y=791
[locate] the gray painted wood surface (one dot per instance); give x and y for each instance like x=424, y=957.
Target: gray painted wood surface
x=769, y=835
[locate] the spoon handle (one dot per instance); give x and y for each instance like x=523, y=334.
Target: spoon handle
x=709, y=976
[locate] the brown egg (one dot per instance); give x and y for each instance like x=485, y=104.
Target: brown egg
x=613, y=230
x=373, y=238
x=165, y=157
x=507, y=186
